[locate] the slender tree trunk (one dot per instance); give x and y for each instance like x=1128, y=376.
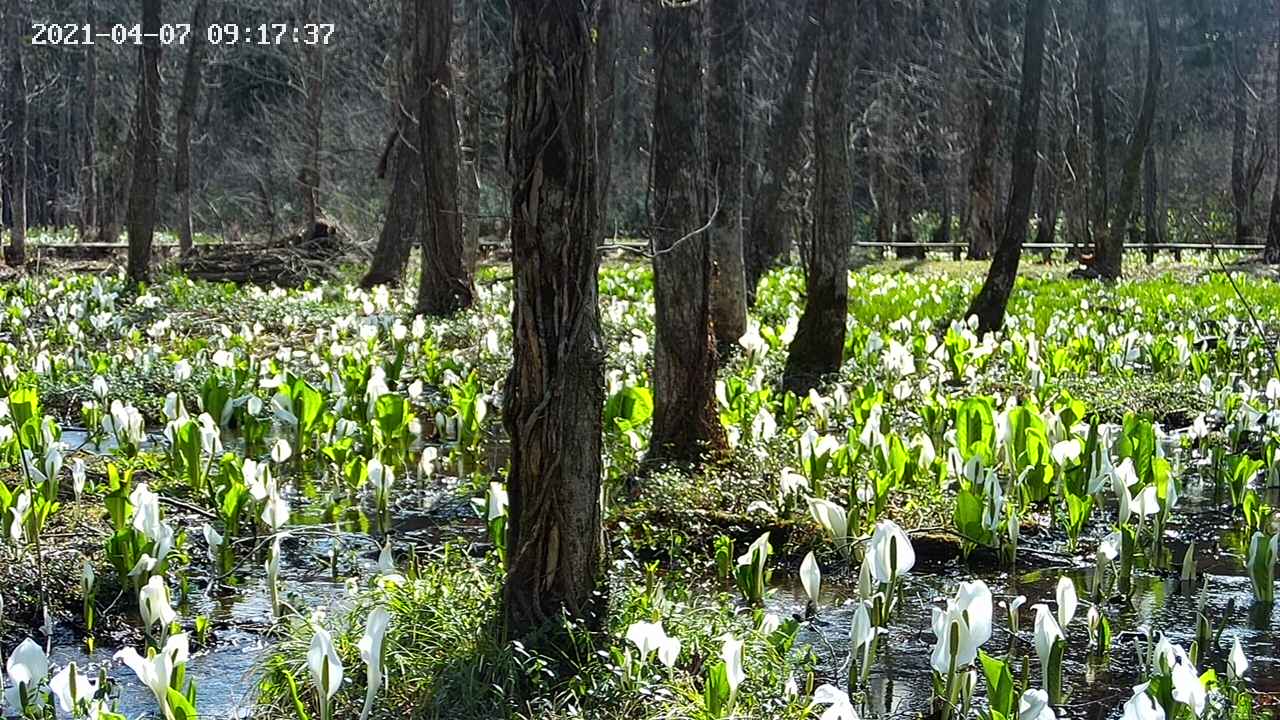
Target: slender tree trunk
x=1240, y=64
x=988, y=112
x=89, y=181
x=1150, y=192
x=313, y=127
x=1098, y=185
x=402, y=161
x=606, y=102
x=471, y=143
x=990, y=303
x=1272, y=252
x=445, y=286
x=726, y=118
x=1239, y=140
x=555, y=390
x=1047, y=229
x=1111, y=255
x=404, y=204
x=818, y=346
x=16, y=253
x=141, y=219
x=1050, y=169
x=768, y=239
x=686, y=425
x=904, y=212
x=186, y=108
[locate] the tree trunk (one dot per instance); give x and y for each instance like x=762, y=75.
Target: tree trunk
x=89, y=182
x=1111, y=253
x=402, y=221
x=1047, y=228
x=904, y=226
x=1239, y=66
x=403, y=162
x=1272, y=252
x=16, y=253
x=768, y=240
x=725, y=126
x=114, y=184
x=1150, y=192
x=141, y=218
x=686, y=425
x=818, y=346
x=313, y=127
x=555, y=390
x=1050, y=169
x=186, y=108
x=1239, y=140
x=990, y=303
x=1101, y=203
x=471, y=143
x=606, y=103
x=988, y=111
x=445, y=286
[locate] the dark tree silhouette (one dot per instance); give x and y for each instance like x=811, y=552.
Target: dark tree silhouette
x=818, y=346
x=990, y=303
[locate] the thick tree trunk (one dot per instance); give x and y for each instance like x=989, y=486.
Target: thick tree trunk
x=445, y=286
x=726, y=117
x=686, y=426
x=89, y=182
x=1098, y=184
x=141, y=219
x=1272, y=252
x=990, y=303
x=988, y=112
x=182, y=121
x=402, y=161
x=555, y=390
x=16, y=253
x=768, y=239
x=818, y=346
x=1111, y=253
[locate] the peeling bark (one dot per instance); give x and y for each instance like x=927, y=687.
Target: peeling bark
x=555, y=390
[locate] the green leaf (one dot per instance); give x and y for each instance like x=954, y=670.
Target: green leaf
x=628, y=409
x=180, y=707
x=1000, y=691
